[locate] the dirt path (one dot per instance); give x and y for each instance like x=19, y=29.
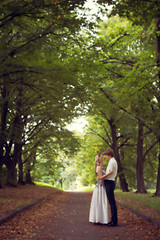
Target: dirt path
x=65, y=217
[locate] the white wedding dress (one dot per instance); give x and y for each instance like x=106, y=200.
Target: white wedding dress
x=99, y=205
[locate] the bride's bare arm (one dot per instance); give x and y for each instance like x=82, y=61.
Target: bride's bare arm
x=99, y=172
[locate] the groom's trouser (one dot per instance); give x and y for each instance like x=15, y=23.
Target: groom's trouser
x=110, y=186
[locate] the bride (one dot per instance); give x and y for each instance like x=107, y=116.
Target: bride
x=99, y=206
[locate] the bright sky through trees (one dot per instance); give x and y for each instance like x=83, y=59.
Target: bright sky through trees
x=93, y=10
x=78, y=124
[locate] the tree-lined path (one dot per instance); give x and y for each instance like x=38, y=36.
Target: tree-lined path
x=64, y=216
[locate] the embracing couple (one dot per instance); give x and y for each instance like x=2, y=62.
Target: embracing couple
x=104, y=189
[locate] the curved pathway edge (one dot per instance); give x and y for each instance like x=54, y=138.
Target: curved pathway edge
x=140, y=214
x=12, y=214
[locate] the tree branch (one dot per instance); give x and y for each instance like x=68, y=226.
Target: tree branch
x=123, y=109
x=150, y=148
x=125, y=34
x=97, y=134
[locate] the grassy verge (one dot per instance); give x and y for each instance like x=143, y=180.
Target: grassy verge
x=85, y=189
x=46, y=185
x=138, y=200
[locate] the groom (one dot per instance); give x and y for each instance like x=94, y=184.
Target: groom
x=109, y=182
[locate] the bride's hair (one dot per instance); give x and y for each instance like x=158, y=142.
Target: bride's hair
x=99, y=160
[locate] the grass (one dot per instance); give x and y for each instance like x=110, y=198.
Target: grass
x=138, y=199
x=85, y=189
x=21, y=205
x=46, y=185
x=4, y=201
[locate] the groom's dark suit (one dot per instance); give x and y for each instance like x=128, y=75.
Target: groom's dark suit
x=110, y=186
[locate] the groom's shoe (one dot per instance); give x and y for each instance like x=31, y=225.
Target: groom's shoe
x=112, y=224
x=109, y=223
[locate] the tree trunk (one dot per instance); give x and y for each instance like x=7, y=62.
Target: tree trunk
x=29, y=167
x=123, y=183
x=11, y=174
x=19, y=128
x=157, y=193
x=1, y=185
x=12, y=162
x=3, y=114
x=20, y=167
x=11, y=165
x=140, y=161
x=28, y=177
x=158, y=46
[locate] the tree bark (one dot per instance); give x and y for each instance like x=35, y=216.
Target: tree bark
x=158, y=45
x=123, y=183
x=157, y=193
x=11, y=173
x=29, y=168
x=28, y=177
x=20, y=167
x=18, y=127
x=3, y=113
x=140, y=161
x=11, y=165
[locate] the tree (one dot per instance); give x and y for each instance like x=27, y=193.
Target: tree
x=118, y=85
x=157, y=193
x=146, y=13
x=36, y=79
